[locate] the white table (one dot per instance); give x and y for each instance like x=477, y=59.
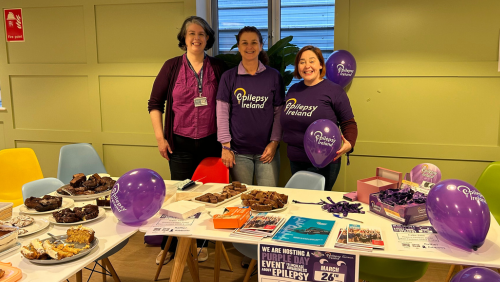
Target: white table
x=487, y=255
x=109, y=230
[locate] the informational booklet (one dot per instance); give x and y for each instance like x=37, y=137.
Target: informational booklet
x=342, y=242
x=361, y=235
x=417, y=238
x=167, y=225
x=262, y=221
x=302, y=230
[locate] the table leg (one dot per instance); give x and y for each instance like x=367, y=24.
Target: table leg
x=162, y=259
x=79, y=276
x=224, y=252
x=450, y=272
x=192, y=264
x=218, y=253
x=103, y=271
x=194, y=252
x=180, y=259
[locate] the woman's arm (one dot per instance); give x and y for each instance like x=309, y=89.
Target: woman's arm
x=163, y=146
x=349, y=130
x=223, y=134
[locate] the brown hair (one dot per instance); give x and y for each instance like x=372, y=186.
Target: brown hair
x=318, y=53
x=181, y=36
x=262, y=55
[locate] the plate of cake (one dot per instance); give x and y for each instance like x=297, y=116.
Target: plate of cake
x=77, y=215
x=26, y=224
x=82, y=187
x=265, y=201
x=228, y=193
x=77, y=243
x=45, y=204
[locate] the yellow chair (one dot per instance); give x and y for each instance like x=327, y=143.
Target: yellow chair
x=17, y=167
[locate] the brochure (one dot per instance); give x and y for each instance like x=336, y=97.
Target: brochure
x=168, y=225
x=417, y=238
x=262, y=221
x=360, y=235
x=342, y=242
x=301, y=230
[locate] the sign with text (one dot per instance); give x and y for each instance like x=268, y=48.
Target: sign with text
x=278, y=263
x=14, y=28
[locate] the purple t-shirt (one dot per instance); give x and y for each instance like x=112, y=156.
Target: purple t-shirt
x=306, y=104
x=252, y=99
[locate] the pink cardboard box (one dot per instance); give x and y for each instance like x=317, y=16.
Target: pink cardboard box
x=385, y=179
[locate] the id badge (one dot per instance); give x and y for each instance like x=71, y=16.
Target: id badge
x=200, y=101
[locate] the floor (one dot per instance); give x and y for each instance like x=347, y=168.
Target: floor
x=136, y=262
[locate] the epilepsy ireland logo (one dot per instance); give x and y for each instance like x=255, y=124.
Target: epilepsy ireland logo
x=343, y=71
x=323, y=140
x=471, y=194
x=249, y=101
x=294, y=109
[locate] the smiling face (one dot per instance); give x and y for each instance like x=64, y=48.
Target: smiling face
x=310, y=68
x=196, y=39
x=249, y=46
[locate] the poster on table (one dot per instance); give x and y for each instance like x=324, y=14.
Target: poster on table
x=282, y=263
x=14, y=28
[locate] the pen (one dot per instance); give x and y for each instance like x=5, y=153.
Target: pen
x=336, y=215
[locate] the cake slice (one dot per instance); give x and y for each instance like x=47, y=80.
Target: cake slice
x=80, y=234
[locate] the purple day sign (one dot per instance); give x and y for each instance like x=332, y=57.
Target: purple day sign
x=137, y=195
x=305, y=264
x=425, y=172
x=459, y=213
x=322, y=140
x=341, y=67
x=476, y=274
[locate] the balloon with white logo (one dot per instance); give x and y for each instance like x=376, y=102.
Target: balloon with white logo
x=459, y=213
x=341, y=67
x=322, y=140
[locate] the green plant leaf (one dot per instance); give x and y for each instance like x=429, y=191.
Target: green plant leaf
x=234, y=46
x=282, y=43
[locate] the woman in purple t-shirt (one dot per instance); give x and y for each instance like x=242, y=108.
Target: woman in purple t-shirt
x=311, y=99
x=249, y=101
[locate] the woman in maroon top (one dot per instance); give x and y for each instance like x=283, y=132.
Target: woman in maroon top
x=188, y=85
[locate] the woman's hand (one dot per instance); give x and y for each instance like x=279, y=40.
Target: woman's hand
x=228, y=158
x=164, y=148
x=346, y=147
x=269, y=152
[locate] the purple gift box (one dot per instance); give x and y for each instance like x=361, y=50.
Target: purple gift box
x=404, y=214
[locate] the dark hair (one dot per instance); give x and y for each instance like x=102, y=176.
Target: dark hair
x=316, y=51
x=263, y=58
x=201, y=22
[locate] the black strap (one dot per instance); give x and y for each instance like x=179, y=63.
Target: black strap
x=199, y=78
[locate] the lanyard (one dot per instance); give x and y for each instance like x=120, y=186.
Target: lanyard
x=199, y=78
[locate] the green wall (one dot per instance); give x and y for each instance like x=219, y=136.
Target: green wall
x=427, y=86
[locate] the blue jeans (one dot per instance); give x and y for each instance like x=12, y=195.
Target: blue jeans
x=330, y=172
x=249, y=165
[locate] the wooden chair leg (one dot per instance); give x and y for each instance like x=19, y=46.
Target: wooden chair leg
x=450, y=273
x=192, y=264
x=194, y=252
x=111, y=269
x=79, y=276
x=226, y=257
x=103, y=271
x=218, y=253
x=250, y=270
x=162, y=259
x=181, y=254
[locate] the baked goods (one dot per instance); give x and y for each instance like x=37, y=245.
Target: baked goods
x=77, y=214
x=103, y=201
x=80, y=234
x=228, y=192
x=47, y=250
x=8, y=237
x=2, y=273
x=19, y=221
x=46, y=203
x=264, y=200
x=80, y=185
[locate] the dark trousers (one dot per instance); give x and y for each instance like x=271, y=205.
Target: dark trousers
x=330, y=172
x=184, y=160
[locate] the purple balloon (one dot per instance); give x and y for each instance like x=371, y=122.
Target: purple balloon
x=322, y=141
x=137, y=195
x=341, y=67
x=476, y=274
x=459, y=213
x=425, y=172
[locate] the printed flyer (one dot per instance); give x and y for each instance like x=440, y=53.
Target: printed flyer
x=168, y=225
x=417, y=238
x=280, y=263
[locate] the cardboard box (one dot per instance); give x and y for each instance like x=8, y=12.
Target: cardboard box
x=403, y=214
x=384, y=179
x=233, y=217
x=182, y=209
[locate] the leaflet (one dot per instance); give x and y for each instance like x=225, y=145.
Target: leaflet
x=417, y=238
x=168, y=225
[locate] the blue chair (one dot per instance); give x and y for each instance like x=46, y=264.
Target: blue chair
x=40, y=187
x=300, y=180
x=78, y=158
x=306, y=180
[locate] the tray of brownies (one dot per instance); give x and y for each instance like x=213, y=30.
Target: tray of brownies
x=81, y=188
